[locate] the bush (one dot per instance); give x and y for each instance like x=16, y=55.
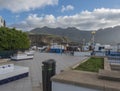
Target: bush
x=12, y=39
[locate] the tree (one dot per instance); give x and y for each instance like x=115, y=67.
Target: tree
x=12, y=39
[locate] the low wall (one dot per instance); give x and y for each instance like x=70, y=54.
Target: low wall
x=82, y=81
x=73, y=80
x=82, y=53
x=101, y=54
x=115, y=66
x=56, y=86
x=107, y=64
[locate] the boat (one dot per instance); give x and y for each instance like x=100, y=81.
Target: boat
x=22, y=56
x=10, y=72
x=30, y=53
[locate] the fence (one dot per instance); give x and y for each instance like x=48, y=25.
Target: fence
x=114, y=59
x=7, y=54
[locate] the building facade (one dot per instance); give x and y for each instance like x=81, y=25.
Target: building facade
x=2, y=22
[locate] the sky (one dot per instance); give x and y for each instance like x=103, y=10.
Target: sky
x=82, y=14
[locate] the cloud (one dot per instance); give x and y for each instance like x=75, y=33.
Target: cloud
x=85, y=20
x=25, y=5
x=67, y=8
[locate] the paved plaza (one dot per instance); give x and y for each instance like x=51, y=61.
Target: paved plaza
x=34, y=81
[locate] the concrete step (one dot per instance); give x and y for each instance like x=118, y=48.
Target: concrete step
x=115, y=66
x=109, y=75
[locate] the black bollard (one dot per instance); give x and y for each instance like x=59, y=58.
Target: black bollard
x=48, y=70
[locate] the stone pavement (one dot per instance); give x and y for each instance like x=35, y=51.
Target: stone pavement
x=34, y=81
x=86, y=80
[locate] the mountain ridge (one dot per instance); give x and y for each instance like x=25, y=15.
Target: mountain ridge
x=104, y=36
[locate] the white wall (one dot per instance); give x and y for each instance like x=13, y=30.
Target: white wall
x=82, y=53
x=66, y=87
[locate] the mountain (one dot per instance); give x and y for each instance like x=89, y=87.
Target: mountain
x=70, y=32
x=103, y=36
x=108, y=35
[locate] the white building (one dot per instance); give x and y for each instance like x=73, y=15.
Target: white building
x=2, y=22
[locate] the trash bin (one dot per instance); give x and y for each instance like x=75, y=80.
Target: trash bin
x=48, y=70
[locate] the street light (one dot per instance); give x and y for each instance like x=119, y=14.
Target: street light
x=93, y=40
x=93, y=37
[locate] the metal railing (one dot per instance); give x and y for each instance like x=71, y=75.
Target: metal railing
x=114, y=59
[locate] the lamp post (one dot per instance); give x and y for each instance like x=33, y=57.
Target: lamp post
x=93, y=41
x=93, y=38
